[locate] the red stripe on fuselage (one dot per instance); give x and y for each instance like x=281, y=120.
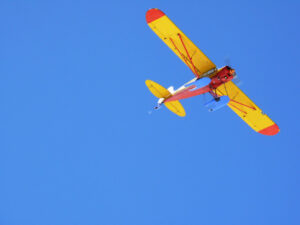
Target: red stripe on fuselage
x=187, y=93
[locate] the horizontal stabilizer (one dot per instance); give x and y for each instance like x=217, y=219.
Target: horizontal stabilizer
x=157, y=90
x=175, y=107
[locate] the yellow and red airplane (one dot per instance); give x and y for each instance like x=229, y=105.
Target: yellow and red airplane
x=208, y=79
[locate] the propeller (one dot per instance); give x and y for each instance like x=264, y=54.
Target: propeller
x=236, y=78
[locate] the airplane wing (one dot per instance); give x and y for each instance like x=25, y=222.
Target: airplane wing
x=181, y=45
x=247, y=110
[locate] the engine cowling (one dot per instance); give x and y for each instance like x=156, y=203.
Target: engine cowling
x=224, y=75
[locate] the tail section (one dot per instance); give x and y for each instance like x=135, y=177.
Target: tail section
x=162, y=93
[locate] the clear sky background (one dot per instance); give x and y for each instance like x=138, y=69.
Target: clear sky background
x=78, y=146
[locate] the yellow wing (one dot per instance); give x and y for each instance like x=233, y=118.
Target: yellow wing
x=183, y=47
x=247, y=110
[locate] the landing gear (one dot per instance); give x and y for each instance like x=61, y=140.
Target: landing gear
x=159, y=103
x=215, y=96
x=157, y=107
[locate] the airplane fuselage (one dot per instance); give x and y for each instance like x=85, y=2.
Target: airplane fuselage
x=198, y=86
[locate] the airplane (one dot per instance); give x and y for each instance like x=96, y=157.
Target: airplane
x=218, y=82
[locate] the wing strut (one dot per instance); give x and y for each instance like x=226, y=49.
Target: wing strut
x=190, y=58
x=237, y=108
x=183, y=56
x=242, y=104
x=251, y=107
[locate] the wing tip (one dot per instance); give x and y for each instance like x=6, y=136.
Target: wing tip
x=271, y=130
x=182, y=115
x=153, y=14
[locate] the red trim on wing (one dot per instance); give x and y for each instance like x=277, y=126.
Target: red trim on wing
x=153, y=14
x=271, y=130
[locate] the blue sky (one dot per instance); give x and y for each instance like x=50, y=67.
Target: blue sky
x=78, y=145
